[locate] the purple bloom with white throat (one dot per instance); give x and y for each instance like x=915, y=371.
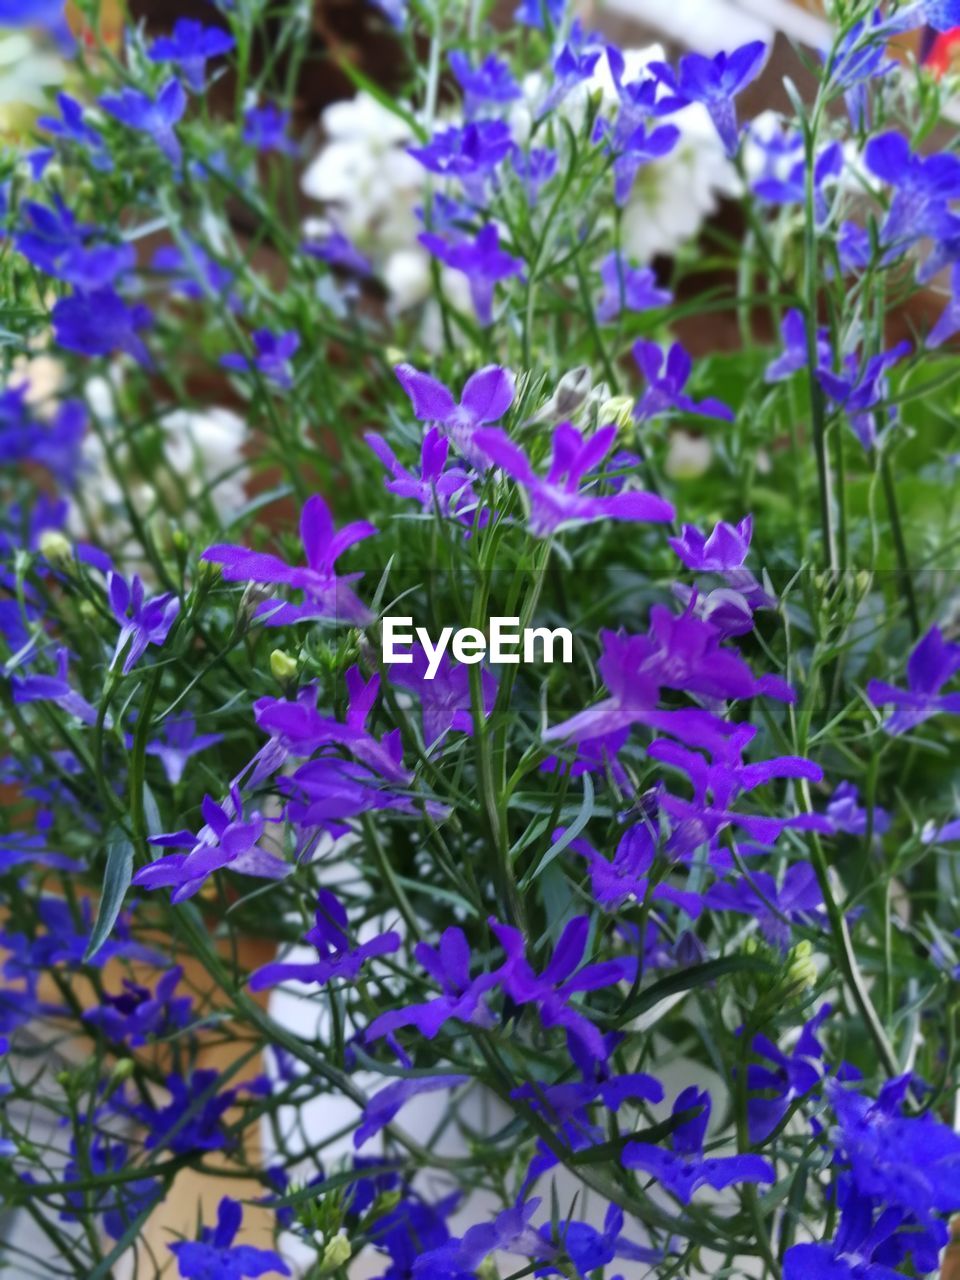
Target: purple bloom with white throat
x=481, y=260
x=100, y=324
x=486, y=397
x=225, y=841
x=683, y=1167
x=667, y=376
x=715, y=82
x=142, y=622
x=154, y=117
x=337, y=956
x=272, y=355
x=556, y=500
x=932, y=663
x=628, y=288
x=922, y=185
x=326, y=595
x=215, y=1254
x=190, y=46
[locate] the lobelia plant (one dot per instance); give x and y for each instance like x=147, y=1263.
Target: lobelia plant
x=640, y=964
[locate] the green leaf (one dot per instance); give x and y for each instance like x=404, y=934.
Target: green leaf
x=698, y=975
x=116, y=881
x=571, y=833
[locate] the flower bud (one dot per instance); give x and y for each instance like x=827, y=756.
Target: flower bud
x=56, y=548
x=394, y=355
x=617, y=410
x=801, y=969
x=282, y=666
x=337, y=1252
x=569, y=394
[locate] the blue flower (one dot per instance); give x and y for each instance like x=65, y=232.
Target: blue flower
x=633, y=288
x=180, y=742
x=72, y=127
x=120, y=1204
x=154, y=117
x=54, y=241
x=860, y=392
x=191, y=46
x=491, y=81
x=48, y=14
x=793, y=333
x=385, y=1104
x=136, y=1013
x=486, y=397
x=215, y=1257
x=537, y=13
x=922, y=186
x=266, y=129
x=714, y=82
x=142, y=622
x=470, y=153
x=101, y=323
x=274, y=351
x=481, y=260
x=683, y=1167
x=780, y=1079
x=931, y=664
x=667, y=376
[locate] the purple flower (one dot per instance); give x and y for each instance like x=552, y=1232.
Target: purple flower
x=846, y=814
x=57, y=689
x=274, y=351
x=682, y=653
x=461, y=996
x=922, y=186
x=793, y=331
x=594, y=755
x=949, y=321
x=571, y=67
x=666, y=378
x=449, y=492
x=534, y=168
x=793, y=188
x=641, y=147
x=266, y=129
x=715, y=82
x=537, y=13
x=725, y=549
x=509, y=1232
x=55, y=242
x=339, y=251
x=383, y=1106
x=683, y=1167
x=630, y=287
x=190, y=46
x=303, y=730
x=155, y=117
x=854, y=247
x=931, y=664
x=861, y=392
x=19, y=848
x=949, y=832
x=716, y=787
x=486, y=397
x=224, y=841
x=783, y=1078
x=941, y=15
x=627, y=877
x=98, y=324
x=72, y=127
x=481, y=260
x=196, y=274
x=120, y=1204
x=589, y=1249
x=326, y=595
x=556, y=500
x=445, y=701
x=136, y=1014
x=909, y=1162
x=773, y=908
x=550, y=992
x=470, y=153
x=215, y=1254
x=55, y=445
x=868, y=1245
x=491, y=81
x=142, y=622
x=337, y=957
x=179, y=744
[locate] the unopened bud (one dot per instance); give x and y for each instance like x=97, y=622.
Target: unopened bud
x=56, y=548
x=337, y=1252
x=282, y=666
x=394, y=355
x=801, y=969
x=618, y=410
x=569, y=394
x=123, y=1069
